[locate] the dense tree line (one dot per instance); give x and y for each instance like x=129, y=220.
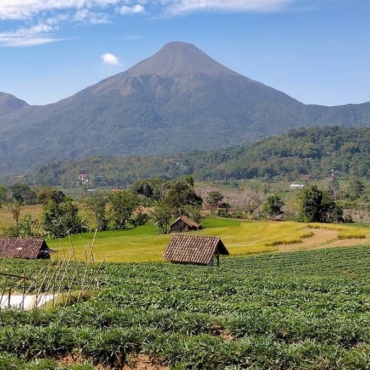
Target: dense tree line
x=165, y=200
x=315, y=151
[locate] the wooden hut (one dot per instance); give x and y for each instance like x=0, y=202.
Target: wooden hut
x=190, y=249
x=182, y=224
x=29, y=248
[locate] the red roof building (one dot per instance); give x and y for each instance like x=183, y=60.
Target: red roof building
x=29, y=248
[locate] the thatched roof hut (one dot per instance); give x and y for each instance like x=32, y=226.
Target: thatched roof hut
x=199, y=250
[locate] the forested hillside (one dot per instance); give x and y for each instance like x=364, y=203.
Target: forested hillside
x=314, y=151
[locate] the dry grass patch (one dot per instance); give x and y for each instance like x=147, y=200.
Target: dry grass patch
x=330, y=236
x=6, y=218
x=240, y=238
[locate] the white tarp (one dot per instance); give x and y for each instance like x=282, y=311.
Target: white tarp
x=27, y=302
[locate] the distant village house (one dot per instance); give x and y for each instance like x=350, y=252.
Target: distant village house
x=83, y=177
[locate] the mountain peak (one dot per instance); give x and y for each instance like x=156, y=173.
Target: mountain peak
x=9, y=103
x=179, y=59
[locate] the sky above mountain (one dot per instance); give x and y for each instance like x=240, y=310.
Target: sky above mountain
x=316, y=51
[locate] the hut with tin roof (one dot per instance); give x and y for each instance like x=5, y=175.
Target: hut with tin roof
x=198, y=250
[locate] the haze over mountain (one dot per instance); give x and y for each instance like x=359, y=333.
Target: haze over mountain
x=9, y=103
x=177, y=100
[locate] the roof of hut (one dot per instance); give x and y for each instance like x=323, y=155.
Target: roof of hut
x=22, y=247
x=187, y=221
x=193, y=249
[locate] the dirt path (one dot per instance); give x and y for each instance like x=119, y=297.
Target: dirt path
x=323, y=239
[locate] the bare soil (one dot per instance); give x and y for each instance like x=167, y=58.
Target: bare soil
x=139, y=362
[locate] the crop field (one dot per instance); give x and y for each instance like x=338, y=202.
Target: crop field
x=298, y=310
x=143, y=244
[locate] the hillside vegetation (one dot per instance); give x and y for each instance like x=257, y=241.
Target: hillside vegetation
x=319, y=152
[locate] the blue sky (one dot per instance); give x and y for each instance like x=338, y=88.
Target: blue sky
x=317, y=51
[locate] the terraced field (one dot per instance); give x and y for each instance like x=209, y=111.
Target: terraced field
x=142, y=244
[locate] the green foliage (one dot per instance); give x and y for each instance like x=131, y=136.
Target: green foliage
x=122, y=205
x=23, y=194
x=161, y=215
x=305, y=310
x=4, y=194
x=142, y=187
x=61, y=219
x=214, y=198
x=139, y=219
x=180, y=195
x=28, y=227
x=96, y=203
x=356, y=188
x=273, y=205
x=320, y=152
x=44, y=195
x=318, y=206
x=15, y=210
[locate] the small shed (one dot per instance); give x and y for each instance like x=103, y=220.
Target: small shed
x=183, y=223
x=29, y=248
x=296, y=186
x=198, y=250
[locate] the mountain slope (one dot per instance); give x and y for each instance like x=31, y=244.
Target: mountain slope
x=9, y=103
x=177, y=100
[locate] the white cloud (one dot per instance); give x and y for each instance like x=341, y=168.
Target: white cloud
x=35, y=35
x=25, y=9
x=44, y=17
x=135, y=9
x=185, y=6
x=87, y=16
x=110, y=59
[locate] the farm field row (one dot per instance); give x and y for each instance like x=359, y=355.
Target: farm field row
x=298, y=310
x=142, y=244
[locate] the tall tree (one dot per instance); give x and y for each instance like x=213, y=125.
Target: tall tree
x=214, y=198
x=15, y=210
x=273, y=206
x=96, y=203
x=47, y=193
x=4, y=193
x=182, y=194
x=161, y=215
x=61, y=219
x=318, y=206
x=23, y=194
x=122, y=205
x=356, y=188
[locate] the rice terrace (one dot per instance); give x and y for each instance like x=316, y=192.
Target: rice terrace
x=261, y=309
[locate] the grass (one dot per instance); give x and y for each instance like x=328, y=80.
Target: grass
x=143, y=244
x=7, y=220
